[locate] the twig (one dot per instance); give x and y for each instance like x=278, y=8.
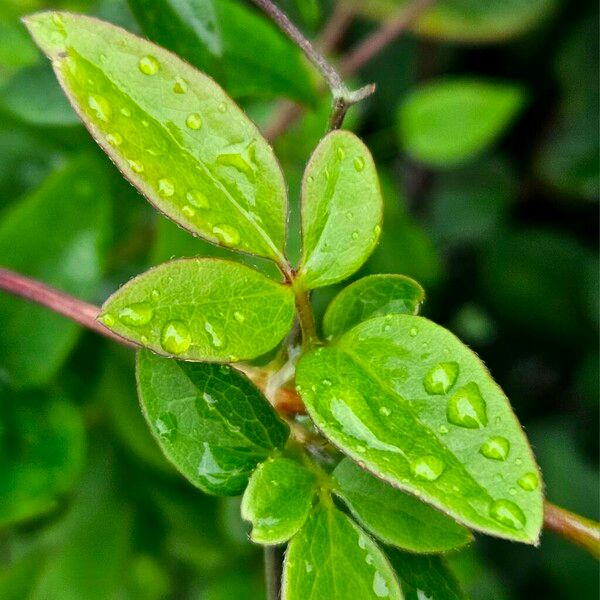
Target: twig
x=578, y=530
x=77, y=310
x=343, y=97
x=273, y=569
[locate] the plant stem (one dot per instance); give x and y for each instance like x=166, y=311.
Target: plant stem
x=77, y=310
x=343, y=98
x=273, y=569
x=306, y=318
x=575, y=528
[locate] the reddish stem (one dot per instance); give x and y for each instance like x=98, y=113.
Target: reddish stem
x=578, y=530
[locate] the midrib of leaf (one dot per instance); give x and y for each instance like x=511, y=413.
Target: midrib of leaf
x=406, y=406
x=279, y=257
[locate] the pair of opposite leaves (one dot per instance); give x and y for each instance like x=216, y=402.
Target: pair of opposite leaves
x=190, y=150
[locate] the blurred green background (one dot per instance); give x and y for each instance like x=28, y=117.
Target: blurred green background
x=484, y=128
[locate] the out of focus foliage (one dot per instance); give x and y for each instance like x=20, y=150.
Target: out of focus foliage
x=485, y=133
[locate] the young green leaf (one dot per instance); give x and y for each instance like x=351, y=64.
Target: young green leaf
x=331, y=557
x=425, y=577
x=446, y=122
x=372, y=296
x=277, y=500
x=341, y=210
x=409, y=402
x=202, y=309
x=393, y=516
x=58, y=234
x=209, y=421
x=172, y=132
x=43, y=452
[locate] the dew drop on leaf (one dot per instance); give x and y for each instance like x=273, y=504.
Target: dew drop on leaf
x=217, y=339
x=380, y=587
x=136, y=315
x=166, y=426
x=355, y=235
x=222, y=107
x=108, y=320
x=508, y=513
x=175, y=337
x=100, y=106
x=413, y=332
x=359, y=163
x=440, y=379
x=228, y=235
x=166, y=187
x=341, y=153
x=467, y=408
x=194, y=121
x=148, y=65
x=496, y=448
x=529, y=482
x=239, y=317
x=427, y=468
x=180, y=86
x=125, y=112
x=136, y=166
x=114, y=139
x=155, y=294
x=197, y=199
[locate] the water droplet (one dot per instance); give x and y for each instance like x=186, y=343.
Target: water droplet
x=166, y=187
x=413, y=332
x=166, y=426
x=518, y=462
x=145, y=123
x=307, y=566
x=341, y=153
x=114, y=139
x=443, y=429
x=385, y=411
x=349, y=215
x=326, y=382
x=148, y=65
x=496, y=448
x=194, y=121
x=144, y=340
x=355, y=235
x=217, y=339
x=376, y=231
x=136, y=167
x=222, y=107
x=508, y=513
x=155, y=294
x=236, y=161
x=100, y=106
x=188, y=211
x=197, y=199
x=440, y=379
x=239, y=317
x=529, y=482
x=58, y=20
x=136, y=315
x=467, y=408
x=175, y=337
x=427, y=468
x=125, y=112
x=380, y=587
x=310, y=179
x=228, y=235
x=180, y=86
x=512, y=491
x=108, y=320
x=359, y=163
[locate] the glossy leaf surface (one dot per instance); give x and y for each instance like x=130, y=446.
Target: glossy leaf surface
x=42, y=448
x=446, y=122
x=202, y=309
x=409, y=402
x=172, y=131
x=227, y=39
x=341, y=210
x=468, y=20
x=393, y=516
x=331, y=557
x=425, y=577
x=209, y=421
x=57, y=234
x=277, y=500
x=372, y=296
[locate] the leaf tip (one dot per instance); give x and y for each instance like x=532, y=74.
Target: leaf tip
x=48, y=30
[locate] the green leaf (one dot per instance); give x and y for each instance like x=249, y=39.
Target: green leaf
x=341, y=210
x=425, y=577
x=202, y=309
x=42, y=450
x=331, y=557
x=468, y=21
x=448, y=121
x=56, y=234
x=369, y=297
x=394, y=517
x=409, y=402
x=171, y=131
x=277, y=500
x=209, y=421
x=228, y=40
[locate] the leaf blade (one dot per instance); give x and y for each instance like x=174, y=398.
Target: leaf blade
x=422, y=413
x=202, y=309
x=209, y=420
x=172, y=132
x=341, y=210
